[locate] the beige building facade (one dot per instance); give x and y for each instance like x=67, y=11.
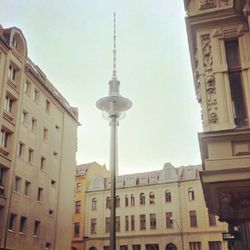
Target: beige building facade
x=155, y=210
x=37, y=153
x=85, y=174
x=219, y=42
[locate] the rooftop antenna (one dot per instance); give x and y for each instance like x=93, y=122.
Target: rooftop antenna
x=114, y=50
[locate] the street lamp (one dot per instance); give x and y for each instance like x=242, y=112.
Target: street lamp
x=181, y=232
x=113, y=107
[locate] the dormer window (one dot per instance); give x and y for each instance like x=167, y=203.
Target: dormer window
x=14, y=42
x=17, y=43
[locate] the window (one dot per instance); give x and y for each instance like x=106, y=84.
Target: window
x=123, y=247
x=17, y=184
x=53, y=183
x=42, y=163
x=78, y=187
x=151, y=198
x=47, y=108
x=214, y=245
x=117, y=224
x=12, y=221
x=108, y=203
x=22, y=226
x=191, y=173
x=211, y=220
x=33, y=124
x=168, y=196
x=193, y=218
x=2, y=171
x=132, y=200
x=191, y=194
x=126, y=223
x=126, y=201
x=117, y=201
x=235, y=81
x=142, y=221
x=107, y=224
x=142, y=199
x=93, y=226
x=152, y=247
x=40, y=194
x=76, y=229
x=30, y=155
x=8, y=105
x=12, y=73
x=94, y=202
x=48, y=246
x=24, y=118
x=51, y=211
x=152, y=221
x=37, y=228
x=4, y=138
x=27, y=188
x=45, y=134
x=132, y=223
x=14, y=42
x=195, y=245
x=169, y=220
x=136, y=247
x=27, y=88
x=36, y=96
x=21, y=149
x=77, y=207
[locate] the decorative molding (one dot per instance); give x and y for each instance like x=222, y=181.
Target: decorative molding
x=197, y=80
x=225, y=2
x=209, y=79
x=207, y=4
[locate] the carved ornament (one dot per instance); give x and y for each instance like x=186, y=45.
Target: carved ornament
x=207, y=4
x=209, y=79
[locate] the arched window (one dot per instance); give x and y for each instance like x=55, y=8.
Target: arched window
x=191, y=194
x=151, y=198
x=132, y=200
x=17, y=43
x=94, y=201
x=168, y=196
x=126, y=201
x=171, y=246
x=117, y=201
x=108, y=203
x=142, y=199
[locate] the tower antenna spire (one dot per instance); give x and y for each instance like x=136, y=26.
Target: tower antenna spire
x=114, y=49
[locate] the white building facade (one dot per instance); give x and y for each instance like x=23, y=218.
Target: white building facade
x=155, y=210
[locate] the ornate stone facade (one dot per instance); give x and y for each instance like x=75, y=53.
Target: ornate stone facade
x=209, y=79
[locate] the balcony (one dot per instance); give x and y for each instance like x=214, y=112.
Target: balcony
x=226, y=174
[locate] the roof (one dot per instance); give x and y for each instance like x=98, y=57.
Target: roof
x=5, y=36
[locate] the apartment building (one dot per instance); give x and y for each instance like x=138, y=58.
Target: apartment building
x=85, y=174
x=37, y=153
x=219, y=42
x=162, y=209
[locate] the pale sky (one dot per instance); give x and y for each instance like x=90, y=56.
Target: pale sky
x=71, y=41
